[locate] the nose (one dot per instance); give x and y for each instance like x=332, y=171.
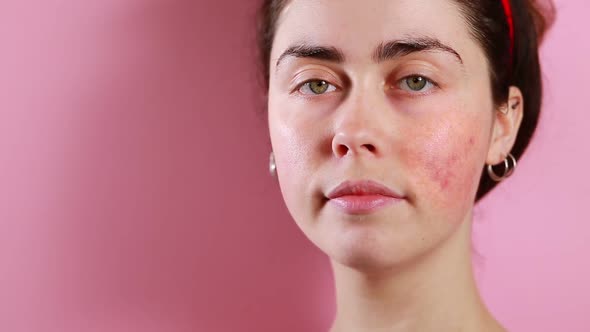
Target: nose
x=359, y=128
x=353, y=141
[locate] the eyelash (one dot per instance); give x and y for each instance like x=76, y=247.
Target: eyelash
x=429, y=82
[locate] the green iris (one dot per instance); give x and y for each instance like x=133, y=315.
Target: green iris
x=416, y=83
x=318, y=87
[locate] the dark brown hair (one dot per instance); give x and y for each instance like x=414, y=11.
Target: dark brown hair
x=489, y=26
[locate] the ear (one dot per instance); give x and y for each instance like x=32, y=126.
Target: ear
x=507, y=121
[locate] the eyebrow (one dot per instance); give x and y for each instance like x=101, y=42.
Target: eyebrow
x=304, y=50
x=383, y=52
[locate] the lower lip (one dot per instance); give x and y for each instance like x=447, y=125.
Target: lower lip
x=363, y=204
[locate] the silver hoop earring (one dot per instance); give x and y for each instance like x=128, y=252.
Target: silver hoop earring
x=507, y=169
x=272, y=167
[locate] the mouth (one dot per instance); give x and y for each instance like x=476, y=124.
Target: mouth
x=362, y=197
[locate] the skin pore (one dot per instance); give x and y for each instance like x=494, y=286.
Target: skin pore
x=397, y=92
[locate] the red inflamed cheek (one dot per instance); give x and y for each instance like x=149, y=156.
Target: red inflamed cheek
x=443, y=163
x=443, y=170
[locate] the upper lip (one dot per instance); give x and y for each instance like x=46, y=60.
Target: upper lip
x=361, y=187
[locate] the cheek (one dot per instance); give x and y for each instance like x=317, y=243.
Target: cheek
x=444, y=161
x=294, y=149
x=447, y=163
x=291, y=155
x=295, y=156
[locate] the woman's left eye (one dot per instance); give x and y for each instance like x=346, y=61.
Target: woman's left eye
x=416, y=83
x=316, y=87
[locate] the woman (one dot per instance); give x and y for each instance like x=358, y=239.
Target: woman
x=388, y=121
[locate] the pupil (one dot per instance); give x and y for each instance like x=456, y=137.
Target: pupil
x=318, y=86
x=417, y=83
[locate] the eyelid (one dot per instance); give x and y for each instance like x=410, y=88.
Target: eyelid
x=313, y=73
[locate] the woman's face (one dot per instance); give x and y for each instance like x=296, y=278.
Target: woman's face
x=395, y=92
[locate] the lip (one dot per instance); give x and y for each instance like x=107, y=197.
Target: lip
x=361, y=197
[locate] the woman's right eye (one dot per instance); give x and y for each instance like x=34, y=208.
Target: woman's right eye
x=316, y=87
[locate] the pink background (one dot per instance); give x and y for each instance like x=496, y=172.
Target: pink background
x=135, y=196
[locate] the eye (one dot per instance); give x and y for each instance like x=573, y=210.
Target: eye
x=416, y=83
x=316, y=87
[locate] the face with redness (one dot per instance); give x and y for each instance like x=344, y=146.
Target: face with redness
x=397, y=92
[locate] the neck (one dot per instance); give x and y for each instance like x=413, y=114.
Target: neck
x=436, y=292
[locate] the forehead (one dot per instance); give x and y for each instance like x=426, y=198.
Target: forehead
x=358, y=26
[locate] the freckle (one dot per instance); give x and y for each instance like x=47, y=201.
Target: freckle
x=471, y=140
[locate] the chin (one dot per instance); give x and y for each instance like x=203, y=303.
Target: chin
x=368, y=256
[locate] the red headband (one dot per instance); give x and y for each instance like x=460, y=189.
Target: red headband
x=508, y=12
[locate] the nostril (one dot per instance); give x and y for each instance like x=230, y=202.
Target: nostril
x=370, y=147
x=342, y=150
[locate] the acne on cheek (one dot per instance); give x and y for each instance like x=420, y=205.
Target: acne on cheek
x=449, y=169
x=445, y=161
